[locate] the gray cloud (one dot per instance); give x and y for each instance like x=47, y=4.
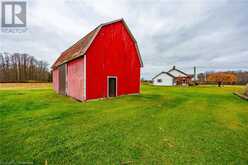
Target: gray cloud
x=204, y=33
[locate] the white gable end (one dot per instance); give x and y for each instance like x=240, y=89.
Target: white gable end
x=163, y=79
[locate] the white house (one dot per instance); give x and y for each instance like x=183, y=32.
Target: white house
x=172, y=77
x=164, y=79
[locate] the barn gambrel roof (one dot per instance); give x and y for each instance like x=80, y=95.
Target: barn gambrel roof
x=79, y=48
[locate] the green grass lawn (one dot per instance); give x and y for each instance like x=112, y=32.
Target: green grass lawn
x=163, y=125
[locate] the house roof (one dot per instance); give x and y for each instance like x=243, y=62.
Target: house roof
x=163, y=73
x=79, y=48
x=174, y=68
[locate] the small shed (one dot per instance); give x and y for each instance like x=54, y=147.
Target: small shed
x=104, y=63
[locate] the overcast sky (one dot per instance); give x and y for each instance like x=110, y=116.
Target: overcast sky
x=209, y=34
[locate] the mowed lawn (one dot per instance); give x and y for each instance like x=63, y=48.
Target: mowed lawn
x=163, y=125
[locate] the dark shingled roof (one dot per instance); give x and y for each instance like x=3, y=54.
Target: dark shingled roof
x=80, y=47
x=76, y=50
x=163, y=73
x=174, y=68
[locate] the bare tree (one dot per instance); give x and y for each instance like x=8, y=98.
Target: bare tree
x=22, y=67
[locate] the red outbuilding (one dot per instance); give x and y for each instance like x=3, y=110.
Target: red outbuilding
x=104, y=63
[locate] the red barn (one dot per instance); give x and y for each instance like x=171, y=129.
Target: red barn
x=104, y=63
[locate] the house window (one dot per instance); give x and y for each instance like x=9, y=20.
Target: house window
x=159, y=80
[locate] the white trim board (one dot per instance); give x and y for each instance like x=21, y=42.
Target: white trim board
x=84, y=87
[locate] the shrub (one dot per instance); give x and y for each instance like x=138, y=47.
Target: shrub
x=246, y=90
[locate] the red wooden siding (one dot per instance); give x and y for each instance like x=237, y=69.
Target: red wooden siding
x=56, y=80
x=75, y=79
x=112, y=53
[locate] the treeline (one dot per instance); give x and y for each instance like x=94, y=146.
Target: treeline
x=19, y=67
x=228, y=77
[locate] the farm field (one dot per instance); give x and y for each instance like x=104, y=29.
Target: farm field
x=17, y=86
x=162, y=125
